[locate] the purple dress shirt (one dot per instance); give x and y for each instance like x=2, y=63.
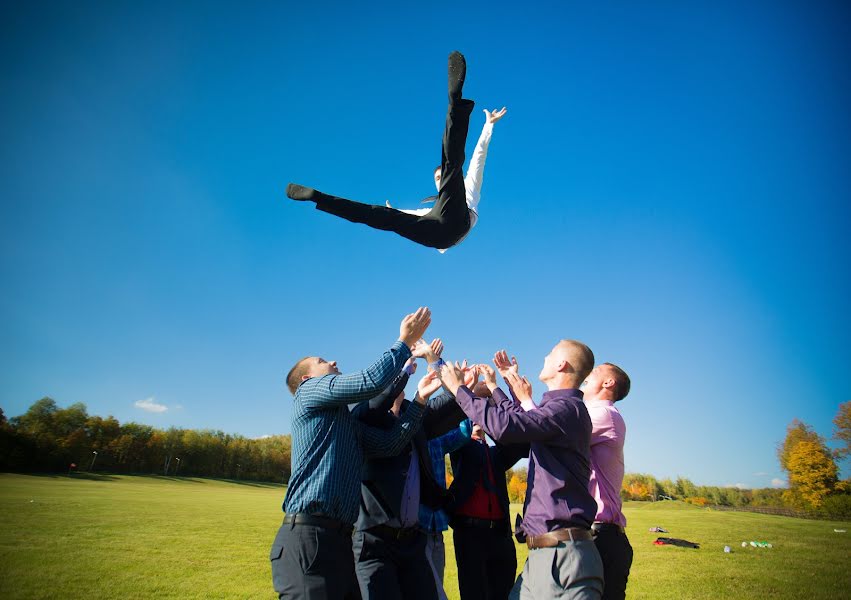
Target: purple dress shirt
x=559, y=432
x=607, y=438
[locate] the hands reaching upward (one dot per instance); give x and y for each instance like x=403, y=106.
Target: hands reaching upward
x=413, y=326
x=495, y=115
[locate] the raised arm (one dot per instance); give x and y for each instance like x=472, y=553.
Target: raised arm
x=390, y=442
x=504, y=425
x=501, y=423
x=476, y=170
x=377, y=442
x=336, y=390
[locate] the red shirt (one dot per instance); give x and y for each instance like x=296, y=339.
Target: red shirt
x=483, y=503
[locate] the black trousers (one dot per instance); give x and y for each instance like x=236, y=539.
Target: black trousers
x=313, y=563
x=487, y=563
x=449, y=219
x=392, y=569
x=616, y=552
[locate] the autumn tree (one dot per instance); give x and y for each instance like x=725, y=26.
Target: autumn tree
x=797, y=431
x=842, y=429
x=812, y=473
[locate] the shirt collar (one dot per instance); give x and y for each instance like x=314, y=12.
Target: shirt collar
x=593, y=402
x=565, y=394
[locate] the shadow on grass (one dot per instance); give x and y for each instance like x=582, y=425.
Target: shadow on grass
x=89, y=476
x=84, y=475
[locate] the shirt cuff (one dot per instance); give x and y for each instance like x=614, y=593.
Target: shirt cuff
x=403, y=348
x=528, y=405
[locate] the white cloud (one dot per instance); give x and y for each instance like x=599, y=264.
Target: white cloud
x=760, y=474
x=777, y=482
x=150, y=405
x=741, y=486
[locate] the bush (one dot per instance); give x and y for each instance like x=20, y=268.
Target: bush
x=837, y=507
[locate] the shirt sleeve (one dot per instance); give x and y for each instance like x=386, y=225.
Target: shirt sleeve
x=336, y=390
x=476, y=170
x=450, y=442
x=603, y=426
x=377, y=442
x=504, y=425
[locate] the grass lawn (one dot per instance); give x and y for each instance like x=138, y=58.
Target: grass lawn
x=155, y=537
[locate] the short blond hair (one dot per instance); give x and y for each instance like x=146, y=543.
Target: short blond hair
x=580, y=358
x=299, y=370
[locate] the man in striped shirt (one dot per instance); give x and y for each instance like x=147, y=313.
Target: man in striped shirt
x=312, y=553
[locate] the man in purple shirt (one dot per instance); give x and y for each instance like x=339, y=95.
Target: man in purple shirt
x=563, y=561
x=606, y=385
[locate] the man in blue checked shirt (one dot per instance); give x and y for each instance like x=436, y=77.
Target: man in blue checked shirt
x=312, y=553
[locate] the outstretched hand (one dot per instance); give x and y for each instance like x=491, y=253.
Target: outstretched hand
x=432, y=352
x=471, y=374
x=495, y=115
x=488, y=375
x=452, y=376
x=504, y=365
x=414, y=325
x=520, y=385
x=428, y=385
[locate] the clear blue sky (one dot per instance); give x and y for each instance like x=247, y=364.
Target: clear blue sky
x=670, y=185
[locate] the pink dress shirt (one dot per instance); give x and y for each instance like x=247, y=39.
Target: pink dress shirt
x=608, y=432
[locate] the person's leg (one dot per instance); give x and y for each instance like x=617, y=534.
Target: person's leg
x=451, y=205
x=501, y=566
x=436, y=560
x=416, y=579
x=311, y=563
x=616, y=554
x=422, y=230
x=376, y=566
x=449, y=220
x=570, y=571
x=470, y=558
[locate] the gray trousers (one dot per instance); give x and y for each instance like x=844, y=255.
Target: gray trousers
x=570, y=571
x=436, y=557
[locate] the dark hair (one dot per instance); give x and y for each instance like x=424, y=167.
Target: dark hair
x=438, y=168
x=622, y=382
x=298, y=371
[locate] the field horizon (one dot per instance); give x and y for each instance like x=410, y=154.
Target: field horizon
x=103, y=536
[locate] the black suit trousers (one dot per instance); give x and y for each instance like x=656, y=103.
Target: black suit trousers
x=313, y=563
x=487, y=563
x=616, y=552
x=391, y=569
x=449, y=219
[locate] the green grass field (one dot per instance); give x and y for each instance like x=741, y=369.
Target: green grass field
x=150, y=537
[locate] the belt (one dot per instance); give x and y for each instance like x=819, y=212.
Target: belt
x=552, y=539
x=396, y=533
x=479, y=523
x=600, y=527
x=317, y=521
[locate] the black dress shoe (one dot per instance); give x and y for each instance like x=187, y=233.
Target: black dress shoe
x=457, y=73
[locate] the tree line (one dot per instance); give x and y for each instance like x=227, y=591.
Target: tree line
x=51, y=439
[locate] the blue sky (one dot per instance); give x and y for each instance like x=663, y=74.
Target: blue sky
x=670, y=185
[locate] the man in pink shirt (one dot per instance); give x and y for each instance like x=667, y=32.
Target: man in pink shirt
x=607, y=384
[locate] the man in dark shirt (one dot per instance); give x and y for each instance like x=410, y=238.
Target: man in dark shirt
x=389, y=546
x=448, y=221
x=559, y=510
x=484, y=550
